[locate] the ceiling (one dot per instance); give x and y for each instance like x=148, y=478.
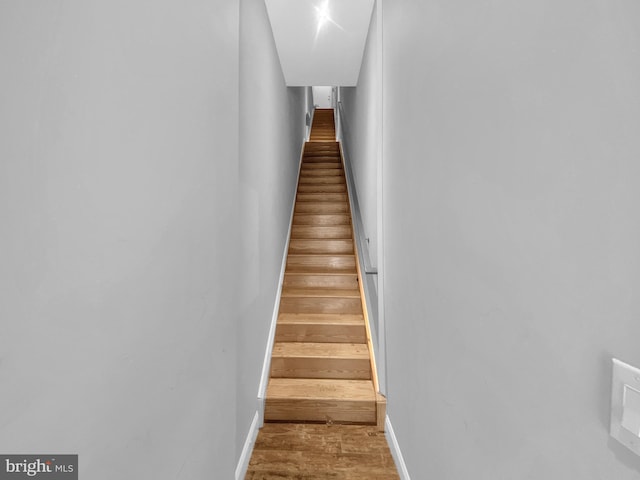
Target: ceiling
x=320, y=42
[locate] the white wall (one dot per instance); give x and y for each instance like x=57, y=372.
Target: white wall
x=323, y=97
x=309, y=108
x=119, y=245
x=361, y=106
x=272, y=126
x=512, y=186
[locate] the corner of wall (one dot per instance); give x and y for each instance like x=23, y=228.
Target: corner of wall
x=245, y=456
x=394, y=446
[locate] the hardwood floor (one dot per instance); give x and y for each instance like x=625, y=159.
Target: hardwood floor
x=319, y=451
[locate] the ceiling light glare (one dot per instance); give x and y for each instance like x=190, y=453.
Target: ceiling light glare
x=322, y=14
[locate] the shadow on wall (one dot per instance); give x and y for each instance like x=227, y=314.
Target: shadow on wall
x=624, y=455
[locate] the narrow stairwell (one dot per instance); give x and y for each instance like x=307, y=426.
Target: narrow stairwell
x=322, y=367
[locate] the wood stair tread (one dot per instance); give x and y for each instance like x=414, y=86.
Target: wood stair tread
x=323, y=189
x=330, y=180
x=321, y=328
x=322, y=208
x=324, y=158
x=321, y=255
x=320, y=263
x=333, y=280
x=326, y=304
x=320, y=360
x=320, y=292
x=329, y=318
x=308, y=167
x=321, y=350
x=321, y=197
x=320, y=172
x=321, y=388
x=335, y=232
x=315, y=246
x=321, y=219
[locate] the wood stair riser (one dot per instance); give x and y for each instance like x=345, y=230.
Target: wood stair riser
x=321, y=197
x=335, y=188
x=320, y=328
x=320, y=292
x=321, y=172
x=342, y=411
x=311, y=166
x=318, y=232
x=341, y=281
x=321, y=263
x=320, y=305
x=323, y=150
x=314, y=246
x=325, y=145
x=321, y=219
x=320, y=400
x=320, y=360
x=322, y=208
x=320, y=333
x=354, y=369
x=324, y=158
x=311, y=180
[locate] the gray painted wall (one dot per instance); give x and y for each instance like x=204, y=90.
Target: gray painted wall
x=511, y=194
x=272, y=128
x=361, y=109
x=119, y=245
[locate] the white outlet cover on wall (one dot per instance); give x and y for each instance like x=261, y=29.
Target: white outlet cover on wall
x=625, y=405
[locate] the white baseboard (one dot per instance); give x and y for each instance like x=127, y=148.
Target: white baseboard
x=395, y=450
x=245, y=456
x=266, y=365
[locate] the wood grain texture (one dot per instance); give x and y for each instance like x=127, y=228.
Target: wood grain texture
x=320, y=360
x=314, y=246
x=321, y=180
x=322, y=207
x=317, y=304
x=320, y=452
x=381, y=411
x=321, y=196
x=321, y=219
x=321, y=158
x=321, y=263
x=320, y=400
x=318, y=292
x=322, y=188
x=330, y=328
x=306, y=167
x=321, y=318
x=321, y=172
x=335, y=232
x=310, y=281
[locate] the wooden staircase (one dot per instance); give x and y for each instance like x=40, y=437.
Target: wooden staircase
x=322, y=367
x=323, y=128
